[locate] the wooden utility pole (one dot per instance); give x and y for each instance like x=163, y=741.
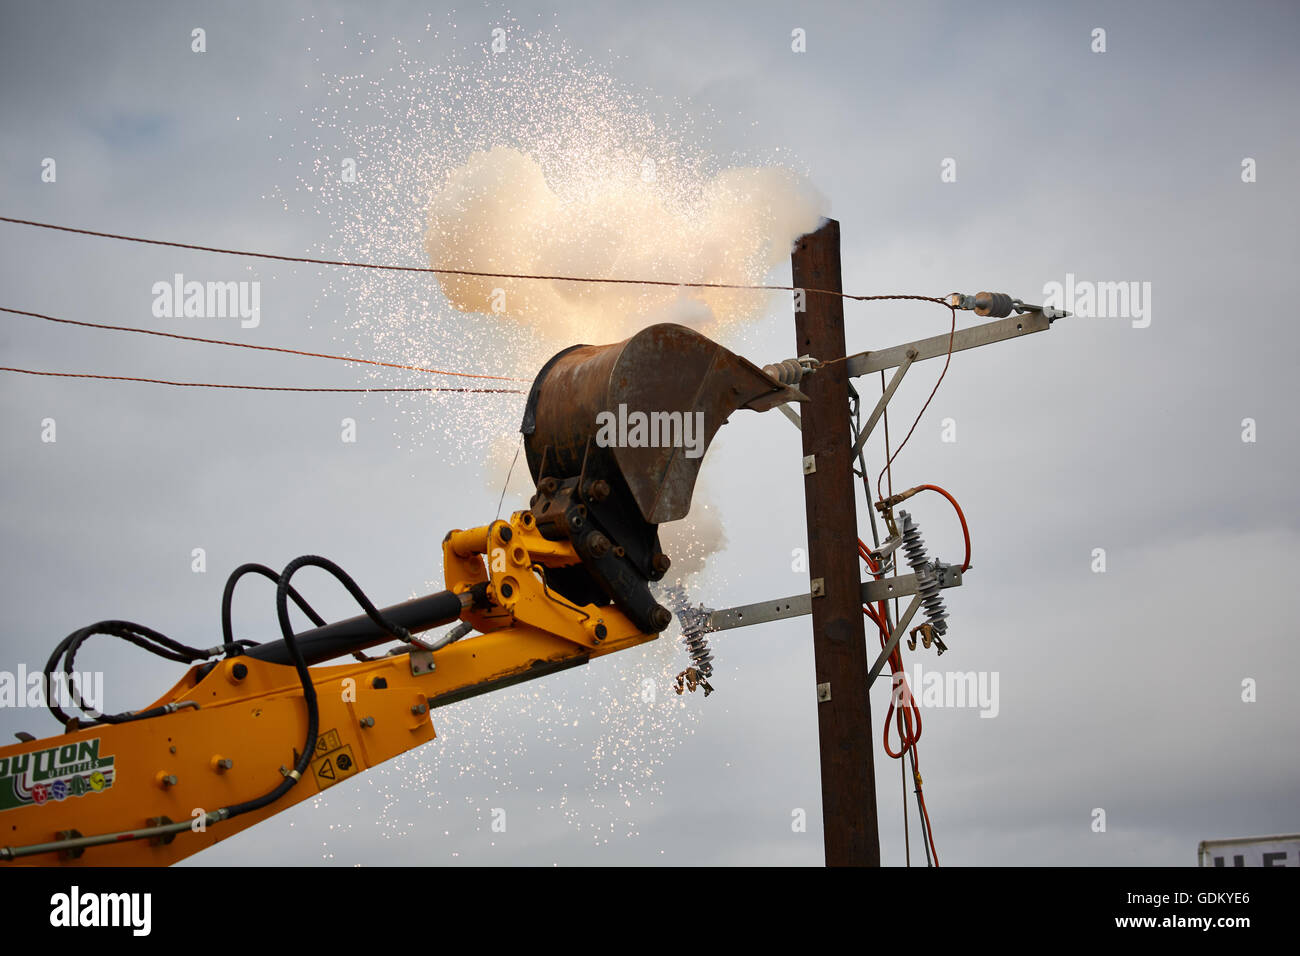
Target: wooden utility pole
x=839, y=635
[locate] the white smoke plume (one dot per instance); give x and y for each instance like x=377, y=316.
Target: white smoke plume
x=499, y=213
x=619, y=219
x=534, y=161
x=538, y=162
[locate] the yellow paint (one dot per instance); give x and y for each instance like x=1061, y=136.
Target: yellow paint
x=260, y=722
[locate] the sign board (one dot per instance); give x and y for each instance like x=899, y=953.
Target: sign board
x=1251, y=851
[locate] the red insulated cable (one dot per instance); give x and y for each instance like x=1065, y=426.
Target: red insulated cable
x=249, y=345
x=960, y=517
x=910, y=711
x=907, y=738
x=920, y=798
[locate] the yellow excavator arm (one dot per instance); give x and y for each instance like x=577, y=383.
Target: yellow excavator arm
x=265, y=726
x=225, y=737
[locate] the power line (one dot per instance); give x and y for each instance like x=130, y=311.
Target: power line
x=247, y=345
x=256, y=388
x=890, y=460
x=459, y=272
x=390, y=268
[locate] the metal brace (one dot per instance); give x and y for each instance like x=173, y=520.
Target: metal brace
x=422, y=662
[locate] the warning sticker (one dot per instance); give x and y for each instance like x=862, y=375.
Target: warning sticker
x=333, y=762
x=327, y=741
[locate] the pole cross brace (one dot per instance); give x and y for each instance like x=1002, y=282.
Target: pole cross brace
x=872, y=592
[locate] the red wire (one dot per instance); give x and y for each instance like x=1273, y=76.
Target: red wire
x=920, y=798
x=952, y=334
x=907, y=737
x=899, y=690
x=249, y=345
x=960, y=517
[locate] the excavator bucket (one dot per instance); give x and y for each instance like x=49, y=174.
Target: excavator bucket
x=615, y=436
x=660, y=396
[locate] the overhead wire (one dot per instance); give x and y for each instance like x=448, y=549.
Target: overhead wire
x=249, y=345
x=861, y=471
x=927, y=834
x=255, y=388
x=907, y=736
x=900, y=693
x=903, y=708
x=906, y=746
x=470, y=273
x=919, y=415
x=434, y=270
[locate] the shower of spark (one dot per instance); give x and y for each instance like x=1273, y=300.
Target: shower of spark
x=533, y=159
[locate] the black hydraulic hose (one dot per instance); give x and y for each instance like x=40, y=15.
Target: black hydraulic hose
x=136, y=634
x=304, y=675
x=357, y=633
x=164, y=646
x=228, y=595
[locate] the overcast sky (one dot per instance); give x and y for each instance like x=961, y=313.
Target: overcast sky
x=1119, y=690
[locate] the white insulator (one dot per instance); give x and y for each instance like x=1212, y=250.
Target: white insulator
x=789, y=372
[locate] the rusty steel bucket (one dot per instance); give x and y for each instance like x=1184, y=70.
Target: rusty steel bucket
x=659, y=376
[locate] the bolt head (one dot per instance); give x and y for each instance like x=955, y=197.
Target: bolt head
x=598, y=543
x=661, y=617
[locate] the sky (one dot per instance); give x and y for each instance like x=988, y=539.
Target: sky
x=1155, y=690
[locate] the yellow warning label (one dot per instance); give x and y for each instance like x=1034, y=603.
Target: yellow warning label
x=333, y=762
x=327, y=741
